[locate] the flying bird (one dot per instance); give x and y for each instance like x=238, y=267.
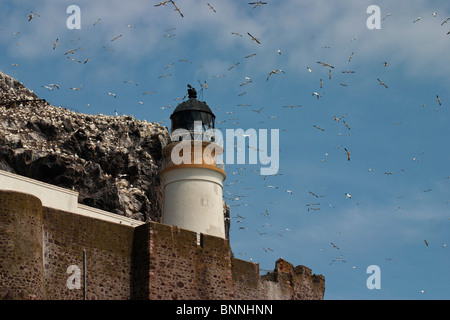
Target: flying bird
x=48, y=87
x=257, y=3
x=32, y=15
x=292, y=107
x=112, y=94
x=351, y=56
x=426, y=242
x=163, y=3
x=315, y=195
x=445, y=21
x=277, y=71
x=260, y=233
x=97, y=21
x=347, y=153
x=382, y=83
x=233, y=66
x=70, y=51
x=169, y=65
x=346, y=124
x=176, y=8
x=318, y=127
x=116, y=37
x=211, y=7
x=253, y=38
x=325, y=64
x=334, y=246
x=316, y=94
x=55, y=43
x=74, y=59
x=417, y=19
x=246, y=82
x=438, y=99
x=51, y=86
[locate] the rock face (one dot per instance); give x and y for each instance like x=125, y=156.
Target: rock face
x=113, y=162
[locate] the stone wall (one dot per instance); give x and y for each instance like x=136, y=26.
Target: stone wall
x=246, y=279
x=108, y=248
x=182, y=269
x=149, y=261
x=21, y=261
x=293, y=283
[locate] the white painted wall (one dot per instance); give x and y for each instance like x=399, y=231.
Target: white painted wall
x=193, y=200
x=58, y=198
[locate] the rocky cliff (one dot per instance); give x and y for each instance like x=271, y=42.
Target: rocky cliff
x=113, y=162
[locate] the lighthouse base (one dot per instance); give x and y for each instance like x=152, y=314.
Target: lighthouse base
x=193, y=200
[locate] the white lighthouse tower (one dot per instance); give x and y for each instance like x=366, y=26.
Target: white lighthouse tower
x=192, y=178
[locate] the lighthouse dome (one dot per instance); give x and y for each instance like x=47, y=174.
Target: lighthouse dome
x=193, y=115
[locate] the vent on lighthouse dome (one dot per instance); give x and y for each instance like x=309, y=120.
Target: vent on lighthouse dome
x=192, y=116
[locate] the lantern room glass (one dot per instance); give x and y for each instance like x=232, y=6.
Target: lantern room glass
x=200, y=125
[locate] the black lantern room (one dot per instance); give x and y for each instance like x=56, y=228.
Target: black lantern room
x=194, y=116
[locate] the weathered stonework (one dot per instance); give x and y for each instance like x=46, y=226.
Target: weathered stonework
x=149, y=261
x=21, y=260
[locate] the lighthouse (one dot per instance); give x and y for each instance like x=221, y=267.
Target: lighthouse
x=191, y=175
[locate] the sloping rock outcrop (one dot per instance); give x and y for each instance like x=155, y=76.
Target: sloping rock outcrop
x=113, y=162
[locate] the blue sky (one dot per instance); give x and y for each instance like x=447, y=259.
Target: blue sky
x=398, y=176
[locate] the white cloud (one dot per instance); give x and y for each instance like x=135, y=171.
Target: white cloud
x=299, y=29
